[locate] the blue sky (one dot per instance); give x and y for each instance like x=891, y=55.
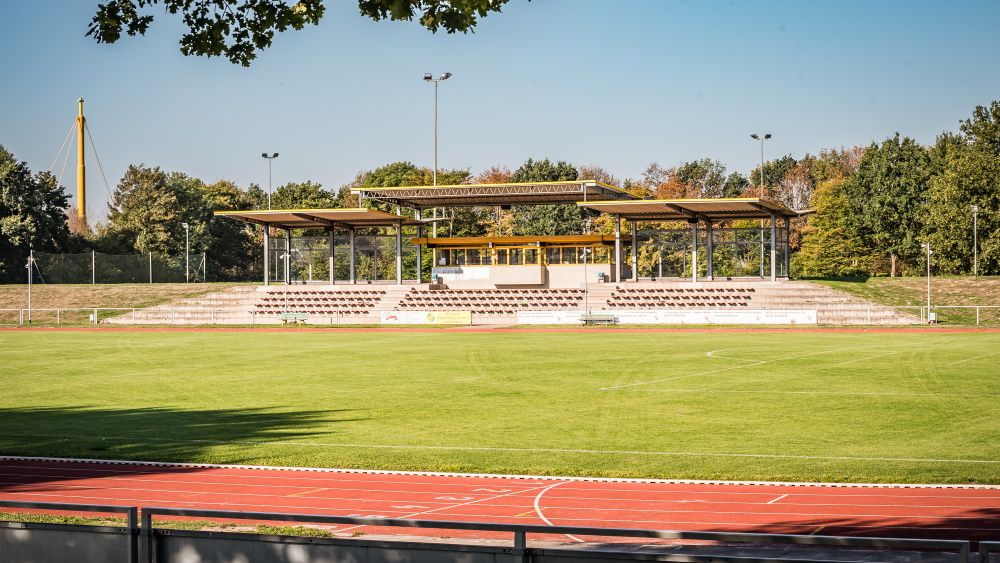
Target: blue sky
x=611, y=82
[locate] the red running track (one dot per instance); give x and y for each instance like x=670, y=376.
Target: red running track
x=925, y=512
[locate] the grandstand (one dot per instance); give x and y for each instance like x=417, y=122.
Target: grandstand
x=338, y=266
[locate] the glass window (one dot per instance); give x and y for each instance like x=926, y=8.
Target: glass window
x=443, y=257
x=472, y=256
x=458, y=257
x=501, y=256
x=486, y=256
x=530, y=256
x=569, y=255
x=553, y=256
x=516, y=256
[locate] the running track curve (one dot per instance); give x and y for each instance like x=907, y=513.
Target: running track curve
x=971, y=513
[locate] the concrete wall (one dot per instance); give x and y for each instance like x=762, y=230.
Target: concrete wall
x=42, y=543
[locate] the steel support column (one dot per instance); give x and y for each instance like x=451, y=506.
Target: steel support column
x=788, y=247
x=420, y=248
x=618, y=248
x=635, y=251
x=774, y=254
x=711, y=250
x=399, y=253
x=694, y=250
x=267, y=255
x=333, y=231
x=352, y=261
x=288, y=256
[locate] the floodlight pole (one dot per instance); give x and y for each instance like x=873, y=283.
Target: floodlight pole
x=269, y=159
x=927, y=246
x=428, y=77
x=187, y=253
x=975, y=240
x=760, y=194
x=31, y=265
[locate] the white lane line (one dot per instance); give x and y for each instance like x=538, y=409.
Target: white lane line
x=149, y=468
x=776, y=499
x=538, y=509
x=970, y=359
x=411, y=515
x=568, y=451
x=721, y=370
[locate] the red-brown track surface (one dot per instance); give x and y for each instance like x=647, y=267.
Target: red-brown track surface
x=971, y=513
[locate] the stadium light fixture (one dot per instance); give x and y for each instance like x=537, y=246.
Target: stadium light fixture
x=269, y=159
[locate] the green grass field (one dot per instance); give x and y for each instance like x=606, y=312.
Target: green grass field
x=861, y=407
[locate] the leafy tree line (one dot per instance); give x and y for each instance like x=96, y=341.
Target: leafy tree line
x=873, y=206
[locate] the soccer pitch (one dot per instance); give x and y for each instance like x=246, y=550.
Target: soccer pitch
x=798, y=406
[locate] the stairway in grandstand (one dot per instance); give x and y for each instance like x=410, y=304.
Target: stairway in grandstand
x=362, y=304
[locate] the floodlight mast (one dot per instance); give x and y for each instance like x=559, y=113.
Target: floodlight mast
x=760, y=194
x=269, y=159
x=428, y=77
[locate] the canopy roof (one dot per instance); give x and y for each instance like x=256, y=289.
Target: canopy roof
x=686, y=209
x=541, y=240
x=472, y=195
x=319, y=218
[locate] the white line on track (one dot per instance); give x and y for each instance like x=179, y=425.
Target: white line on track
x=538, y=509
x=533, y=450
x=721, y=370
x=292, y=469
x=772, y=501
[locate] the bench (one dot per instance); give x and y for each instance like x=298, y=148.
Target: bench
x=294, y=318
x=599, y=319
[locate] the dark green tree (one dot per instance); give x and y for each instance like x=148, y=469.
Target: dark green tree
x=32, y=215
x=302, y=195
x=235, y=249
x=703, y=178
x=888, y=198
x=969, y=174
x=829, y=245
x=546, y=219
x=239, y=29
x=735, y=185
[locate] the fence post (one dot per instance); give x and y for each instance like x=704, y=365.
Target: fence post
x=95, y=315
x=132, y=518
x=93, y=267
x=133, y=316
x=147, y=535
x=20, y=317
x=57, y=315
x=977, y=315
x=150, y=267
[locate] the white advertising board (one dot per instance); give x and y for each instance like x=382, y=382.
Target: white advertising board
x=426, y=317
x=680, y=317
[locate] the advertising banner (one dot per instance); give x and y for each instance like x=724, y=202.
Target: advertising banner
x=426, y=317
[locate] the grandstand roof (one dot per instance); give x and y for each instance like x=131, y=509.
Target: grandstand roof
x=685, y=209
x=545, y=240
x=318, y=218
x=472, y=195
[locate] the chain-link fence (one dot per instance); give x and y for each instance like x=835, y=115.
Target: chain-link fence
x=98, y=267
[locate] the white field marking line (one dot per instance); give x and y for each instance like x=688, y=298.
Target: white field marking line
x=969, y=359
x=863, y=358
x=711, y=354
x=776, y=499
x=76, y=484
x=54, y=489
x=605, y=521
x=538, y=509
x=545, y=450
x=411, y=515
x=720, y=370
x=846, y=393
x=292, y=469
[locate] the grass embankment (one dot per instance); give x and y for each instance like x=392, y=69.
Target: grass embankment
x=71, y=296
x=945, y=291
x=852, y=407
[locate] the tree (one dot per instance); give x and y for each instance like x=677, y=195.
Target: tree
x=233, y=247
x=969, y=166
x=888, y=198
x=829, y=245
x=32, y=215
x=239, y=29
x=702, y=178
x=547, y=219
x=148, y=209
x=302, y=195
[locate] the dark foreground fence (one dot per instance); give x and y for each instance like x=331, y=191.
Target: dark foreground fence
x=156, y=541
x=98, y=267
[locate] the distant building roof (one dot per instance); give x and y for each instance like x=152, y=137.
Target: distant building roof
x=700, y=209
x=474, y=195
x=318, y=218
